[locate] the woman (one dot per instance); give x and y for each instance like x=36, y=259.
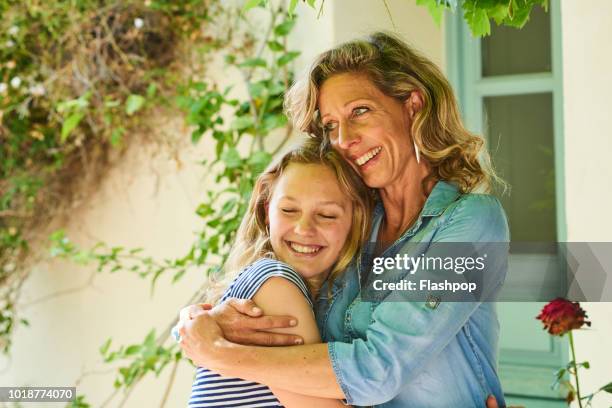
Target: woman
x=392, y=115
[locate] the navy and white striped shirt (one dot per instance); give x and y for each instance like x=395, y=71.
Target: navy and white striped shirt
x=213, y=390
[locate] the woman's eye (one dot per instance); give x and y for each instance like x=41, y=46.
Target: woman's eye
x=330, y=126
x=360, y=110
x=287, y=210
x=328, y=216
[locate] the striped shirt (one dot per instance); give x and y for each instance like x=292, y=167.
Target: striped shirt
x=213, y=390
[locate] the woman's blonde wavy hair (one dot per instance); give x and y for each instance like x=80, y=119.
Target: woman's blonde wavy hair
x=252, y=241
x=453, y=153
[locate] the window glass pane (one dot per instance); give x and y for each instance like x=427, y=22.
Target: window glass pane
x=520, y=133
x=510, y=51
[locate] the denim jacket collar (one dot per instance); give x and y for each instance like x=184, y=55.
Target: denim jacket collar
x=441, y=196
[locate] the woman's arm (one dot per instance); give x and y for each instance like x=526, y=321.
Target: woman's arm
x=279, y=296
x=368, y=371
x=303, y=369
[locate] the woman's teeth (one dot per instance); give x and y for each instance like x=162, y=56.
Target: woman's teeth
x=367, y=156
x=304, y=249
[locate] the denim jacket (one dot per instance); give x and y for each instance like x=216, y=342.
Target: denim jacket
x=410, y=354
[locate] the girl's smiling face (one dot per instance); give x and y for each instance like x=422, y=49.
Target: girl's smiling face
x=309, y=218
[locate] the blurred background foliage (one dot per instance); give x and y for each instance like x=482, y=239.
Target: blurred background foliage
x=78, y=80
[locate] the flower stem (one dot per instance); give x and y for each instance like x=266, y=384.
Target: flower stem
x=571, y=341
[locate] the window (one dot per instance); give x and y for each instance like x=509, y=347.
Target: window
x=509, y=90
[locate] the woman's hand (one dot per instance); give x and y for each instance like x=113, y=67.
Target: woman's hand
x=241, y=321
x=201, y=338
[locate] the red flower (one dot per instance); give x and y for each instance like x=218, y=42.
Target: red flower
x=560, y=316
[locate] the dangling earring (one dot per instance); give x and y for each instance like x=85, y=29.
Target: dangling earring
x=416, y=151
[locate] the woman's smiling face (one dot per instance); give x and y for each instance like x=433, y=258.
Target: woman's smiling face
x=368, y=128
x=309, y=218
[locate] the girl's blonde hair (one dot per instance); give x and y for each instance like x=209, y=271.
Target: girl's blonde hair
x=453, y=153
x=252, y=241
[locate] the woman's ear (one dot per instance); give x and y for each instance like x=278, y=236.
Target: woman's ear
x=414, y=103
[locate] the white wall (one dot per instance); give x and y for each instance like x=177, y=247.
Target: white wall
x=353, y=18
x=587, y=86
x=145, y=202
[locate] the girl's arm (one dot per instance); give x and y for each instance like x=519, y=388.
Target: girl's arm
x=279, y=296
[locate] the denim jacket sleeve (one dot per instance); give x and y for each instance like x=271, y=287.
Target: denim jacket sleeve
x=404, y=336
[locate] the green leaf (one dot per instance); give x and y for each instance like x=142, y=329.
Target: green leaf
x=249, y=4
x=256, y=89
x=477, y=19
x=560, y=373
x=116, y=136
x=112, y=103
x=284, y=28
x=287, y=58
x=518, y=13
x=245, y=187
x=231, y=158
x=104, y=348
x=149, y=341
x=133, y=349
x=434, y=8
x=498, y=13
x=607, y=388
x=275, y=121
x=133, y=104
x=260, y=160
x=253, y=62
x=70, y=124
x=275, y=46
x=228, y=206
x=151, y=90
x=242, y=122
x=178, y=275
x=80, y=103
x=292, y=6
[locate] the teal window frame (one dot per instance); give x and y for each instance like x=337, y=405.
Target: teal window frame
x=464, y=70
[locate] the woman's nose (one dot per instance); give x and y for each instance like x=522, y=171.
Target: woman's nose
x=346, y=136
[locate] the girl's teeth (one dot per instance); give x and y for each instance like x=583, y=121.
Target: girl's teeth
x=303, y=249
x=366, y=157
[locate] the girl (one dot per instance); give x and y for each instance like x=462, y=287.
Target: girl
x=306, y=220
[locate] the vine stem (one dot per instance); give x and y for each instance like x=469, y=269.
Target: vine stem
x=170, y=383
x=571, y=341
